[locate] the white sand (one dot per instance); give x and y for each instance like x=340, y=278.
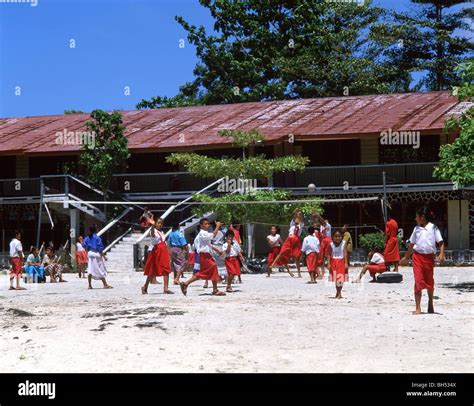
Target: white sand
x=278, y=324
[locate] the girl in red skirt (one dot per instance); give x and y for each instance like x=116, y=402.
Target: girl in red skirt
x=423, y=242
x=292, y=246
x=337, y=262
x=81, y=258
x=311, y=249
x=158, y=261
x=324, y=238
x=231, y=251
x=274, y=243
x=376, y=265
x=207, y=264
x=391, y=252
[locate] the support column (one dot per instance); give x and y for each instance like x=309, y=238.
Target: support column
x=458, y=224
x=73, y=229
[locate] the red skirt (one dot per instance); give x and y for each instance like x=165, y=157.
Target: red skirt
x=312, y=260
x=208, y=268
x=191, y=259
x=16, y=265
x=376, y=268
x=325, y=243
x=81, y=257
x=232, y=265
x=158, y=261
x=423, y=269
x=291, y=248
x=338, y=270
x=391, y=252
x=272, y=254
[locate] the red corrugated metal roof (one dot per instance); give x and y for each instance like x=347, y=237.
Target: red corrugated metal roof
x=188, y=127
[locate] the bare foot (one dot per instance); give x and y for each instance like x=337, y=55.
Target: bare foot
x=108, y=287
x=184, y=288
x=168, y=292
x=144, y=292
x=90, y=287
x=416, y=312
x=430, y=308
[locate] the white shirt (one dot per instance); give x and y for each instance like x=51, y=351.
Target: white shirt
x=325, y=230
x=15, y=248
x=310, y=244
x=203, y=241
x=219, y=238
x=79, y=247
x=377, y=259
x=234, y=250
x=293, y=225
x=159, y=237
x=274, y=239
x=425, y=238
x=338, y=252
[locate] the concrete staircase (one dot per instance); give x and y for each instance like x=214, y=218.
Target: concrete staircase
x=120, y=256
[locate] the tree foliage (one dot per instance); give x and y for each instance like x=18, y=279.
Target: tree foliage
x=272, y=213
x=109, y=152
x=456, y=162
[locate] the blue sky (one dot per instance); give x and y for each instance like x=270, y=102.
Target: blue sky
x=118, y=44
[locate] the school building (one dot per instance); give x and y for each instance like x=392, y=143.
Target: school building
x=350, y=142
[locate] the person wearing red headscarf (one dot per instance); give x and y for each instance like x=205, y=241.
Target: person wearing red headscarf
x=391, y=252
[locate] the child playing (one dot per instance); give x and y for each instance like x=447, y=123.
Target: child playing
x=52, y=266
x=178, y=248
x=292, y=246
x=81, y=258
x=311, y=249
x=207, y=264
x=376, y=265
x=274, y=244
x=423, y=242
x=95, y=253
x=231, y=251
x=146, y=218
x=337, y=262
x=16, y=259
x=158, y=262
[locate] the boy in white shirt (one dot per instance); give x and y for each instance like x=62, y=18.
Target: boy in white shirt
x=207, y=264
x=16, y=261
x=311, y=249
x=423, y=242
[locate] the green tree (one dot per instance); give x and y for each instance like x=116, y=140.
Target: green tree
x=275, y=49
x=456, y=162
x=429, y=43
x=252, y=167
x=108, y=153
x=73, y=112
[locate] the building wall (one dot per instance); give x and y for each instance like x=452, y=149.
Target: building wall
x=369, y=151
x=22, y=167
x=458, y=224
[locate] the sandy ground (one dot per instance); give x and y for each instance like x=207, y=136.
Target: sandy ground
x=276, y=324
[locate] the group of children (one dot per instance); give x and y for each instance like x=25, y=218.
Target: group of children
x=321, y=247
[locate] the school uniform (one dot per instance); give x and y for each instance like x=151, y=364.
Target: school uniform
x=81, y=254
x=391, y=252
x=95, y=263
x=36, y=272
x=376, y=264
x=424, y=251
x=274, y=249
x=291, y=248
x=338, y=266
x=311, y=247
x=231, y=258
x=326, y=239
x=15, y=260
x=158, y=262
x=207, y=264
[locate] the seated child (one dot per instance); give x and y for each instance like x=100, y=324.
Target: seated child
x=376, y=265
x=52, y=267
x=33, y=267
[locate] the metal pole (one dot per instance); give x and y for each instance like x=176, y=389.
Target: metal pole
x=38, y=230
x=385, y=214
